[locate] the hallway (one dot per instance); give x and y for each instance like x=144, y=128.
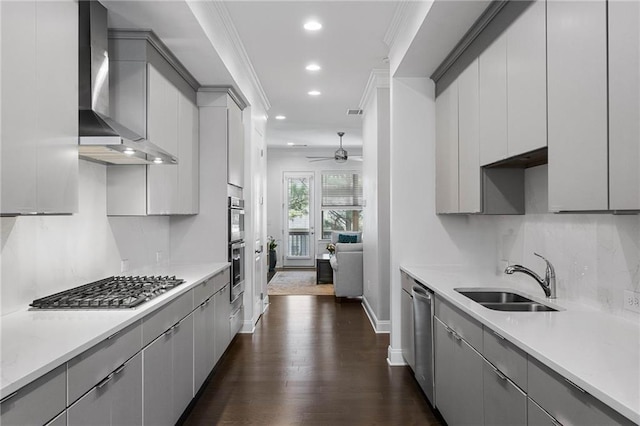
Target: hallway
x=311, y=361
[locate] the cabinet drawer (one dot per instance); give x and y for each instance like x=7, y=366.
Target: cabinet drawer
x=565, y=401
x=93, y=365
x=235, y=321
x=38, y=402
x=161, y=320
x=509, y=359
x=504, y=402
x=222, y=279
x=60, y=420
x=465, y=326
x=204, y=291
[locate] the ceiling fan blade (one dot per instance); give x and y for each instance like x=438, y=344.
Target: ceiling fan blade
x=324, y=156
x=313, y=160
x=355, y=158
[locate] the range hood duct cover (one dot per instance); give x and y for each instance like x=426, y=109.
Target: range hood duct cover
x=102, y=138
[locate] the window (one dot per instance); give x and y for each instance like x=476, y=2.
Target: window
x=341, y=202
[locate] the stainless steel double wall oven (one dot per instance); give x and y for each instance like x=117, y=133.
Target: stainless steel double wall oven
x=236, y=249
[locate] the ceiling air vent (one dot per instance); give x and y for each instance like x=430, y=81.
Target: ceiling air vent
x=354, y=112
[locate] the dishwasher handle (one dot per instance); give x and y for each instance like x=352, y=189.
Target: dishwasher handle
x=421, y=293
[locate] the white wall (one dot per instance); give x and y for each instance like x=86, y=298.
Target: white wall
x=45, y=254
x=294, y=160
x=376, y=135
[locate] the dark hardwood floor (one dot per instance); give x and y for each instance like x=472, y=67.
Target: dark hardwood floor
x=311, y=361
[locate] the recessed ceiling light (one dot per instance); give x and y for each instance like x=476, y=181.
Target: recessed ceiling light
x=314, y=93
x=312, y=26
x=280, y=117
x=313, y=67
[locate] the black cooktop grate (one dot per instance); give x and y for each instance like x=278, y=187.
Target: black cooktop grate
x=109, y=293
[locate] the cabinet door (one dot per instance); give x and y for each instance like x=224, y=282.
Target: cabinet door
x=447, y=150
x=527, y=81
x=162, y=111
x=467, y=378
x=56, y=106
x=624, y=105
x=408, y=349
x=93, y=409
x=182, y=366
x=444, y=372
x=493, y=102
x=126, y=401
x=204, y=346
x=188, y=164
x=18, y=132
x=577, y=105
x=468, y=141
x=157, y=382
x=235, y=140
x=504, y=403
x=222, y=300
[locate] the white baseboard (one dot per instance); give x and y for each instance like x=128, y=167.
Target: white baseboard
x=378, y=325
x=247, y=327
x=394, y=357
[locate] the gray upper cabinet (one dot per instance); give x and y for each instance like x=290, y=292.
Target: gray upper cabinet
x=493, y=102
x=527, y=81
x=39, y=107
x=150, y=96
x=577, y=105
x=447, y=150
x=624, y=105
x=468, y=141
x=235, y=149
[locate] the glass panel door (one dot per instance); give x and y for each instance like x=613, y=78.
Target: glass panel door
x=298, y=220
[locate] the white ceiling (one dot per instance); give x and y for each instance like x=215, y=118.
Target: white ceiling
x=349, y=45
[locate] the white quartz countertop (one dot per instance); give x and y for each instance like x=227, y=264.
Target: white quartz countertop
x=36, y=342
x=597, y=351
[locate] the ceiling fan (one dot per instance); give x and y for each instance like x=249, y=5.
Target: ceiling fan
x=340, y=155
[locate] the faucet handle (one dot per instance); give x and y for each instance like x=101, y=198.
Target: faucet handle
x=550, y=272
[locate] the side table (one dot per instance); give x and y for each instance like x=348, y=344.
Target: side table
x=324, y=272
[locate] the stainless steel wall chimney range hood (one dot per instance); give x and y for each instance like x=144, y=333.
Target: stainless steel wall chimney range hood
x=102, y=138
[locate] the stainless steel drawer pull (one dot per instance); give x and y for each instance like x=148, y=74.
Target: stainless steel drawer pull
x=8, y=397
x=575, y=386
x=119, y=369
x=114, y=335
x=456, y=335
x=498, y=373
x=105, y=381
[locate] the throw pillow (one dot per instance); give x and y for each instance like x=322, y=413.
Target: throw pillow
x=343, y=238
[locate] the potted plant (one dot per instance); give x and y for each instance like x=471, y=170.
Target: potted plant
x=272, y=243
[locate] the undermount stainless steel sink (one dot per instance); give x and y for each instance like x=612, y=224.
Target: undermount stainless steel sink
x=494, y=296
x=519, y=307
x=499, y=300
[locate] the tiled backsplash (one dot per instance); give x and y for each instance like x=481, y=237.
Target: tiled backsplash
x=46, y=254
x=596, y=256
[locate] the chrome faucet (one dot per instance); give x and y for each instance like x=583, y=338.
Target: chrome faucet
x=549, y=282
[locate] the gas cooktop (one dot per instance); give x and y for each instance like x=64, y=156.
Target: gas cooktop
x=109, y=293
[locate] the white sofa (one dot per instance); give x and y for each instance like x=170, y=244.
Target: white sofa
x=347, y=266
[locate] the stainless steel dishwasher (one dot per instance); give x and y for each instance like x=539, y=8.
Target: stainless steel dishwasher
x=423, y=310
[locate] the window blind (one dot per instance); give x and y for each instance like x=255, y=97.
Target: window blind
x=341, y=189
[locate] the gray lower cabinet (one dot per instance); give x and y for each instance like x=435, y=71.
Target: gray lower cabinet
x=204, y=350
x=36, y=403
x=116, y=400
x=459, y=378
x=504, y=403
x=566, y=402
x=408, y=345
x=222, y=335
x=167, y=361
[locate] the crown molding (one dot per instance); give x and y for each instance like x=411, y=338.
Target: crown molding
x=154, y=40
x=397, y=22
x=378, y=79
x=229, y=90
x=237, y=51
